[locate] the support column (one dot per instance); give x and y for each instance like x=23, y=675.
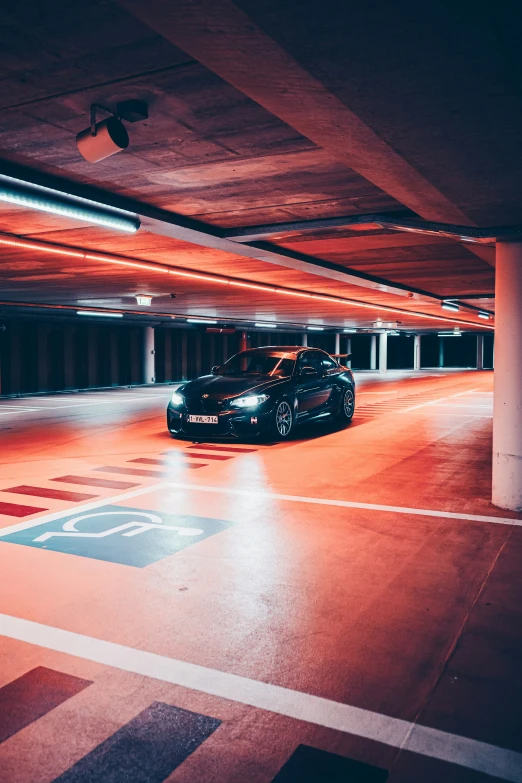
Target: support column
x=417, y=352
x=243, y=344
x=349, y=350
x=480, y=352
x=337, y=343
x=305, y=339
x=441, y=351
x=373, y=352
x=148, y=355
x=507, y=404
x=383, y=351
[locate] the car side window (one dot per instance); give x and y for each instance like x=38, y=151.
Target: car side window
x=306, y=360
x=327, y=363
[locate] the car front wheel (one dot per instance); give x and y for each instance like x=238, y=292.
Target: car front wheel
x=347, y=406
x=282, y=420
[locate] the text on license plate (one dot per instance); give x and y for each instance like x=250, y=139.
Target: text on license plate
x=203, y=419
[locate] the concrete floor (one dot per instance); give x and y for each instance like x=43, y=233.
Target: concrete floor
x=343, y=607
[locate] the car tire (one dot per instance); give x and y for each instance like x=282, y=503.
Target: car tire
x=347, y=405
x=282, y=421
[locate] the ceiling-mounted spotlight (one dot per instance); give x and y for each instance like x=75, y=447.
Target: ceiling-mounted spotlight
x=143, y=300
x=103, y=139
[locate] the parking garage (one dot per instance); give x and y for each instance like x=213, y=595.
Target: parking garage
x=334, y=601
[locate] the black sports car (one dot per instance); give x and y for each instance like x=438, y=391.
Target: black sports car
x=263, y=391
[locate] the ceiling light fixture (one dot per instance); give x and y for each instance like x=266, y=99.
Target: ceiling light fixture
x=450, y=334
x=349, y=331
x=451, y=306
x=143, y=300
x=485, y=316
x=200, y=321
x=316, y=328
x=25, y=194
x=265, y=325
x=99, y=314
x=36, y=245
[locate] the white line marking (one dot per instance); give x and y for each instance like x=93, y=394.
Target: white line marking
x=434, y=402
x=447, y=413
x=470, y=406
x=422, y=512
x=394, y=732
x=5, y=531
x=4, y=412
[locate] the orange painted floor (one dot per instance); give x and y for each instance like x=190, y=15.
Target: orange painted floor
x=352, y=591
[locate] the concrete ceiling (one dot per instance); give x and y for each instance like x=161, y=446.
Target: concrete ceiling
x=270, y=112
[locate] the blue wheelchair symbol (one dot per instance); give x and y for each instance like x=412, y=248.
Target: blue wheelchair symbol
x=110, y=533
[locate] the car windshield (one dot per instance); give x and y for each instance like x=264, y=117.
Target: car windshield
x=257, y=364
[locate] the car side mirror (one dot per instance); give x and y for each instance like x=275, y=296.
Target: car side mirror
x=308, y=373
x=215, y=369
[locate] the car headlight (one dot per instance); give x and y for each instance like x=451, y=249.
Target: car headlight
x=177, y=400
x=249, y=401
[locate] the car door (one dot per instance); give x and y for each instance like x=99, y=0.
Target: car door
x=330, y=371
x=311, y=392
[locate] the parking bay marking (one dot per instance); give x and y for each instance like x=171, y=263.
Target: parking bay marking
x=394, y=732
x=423, y=512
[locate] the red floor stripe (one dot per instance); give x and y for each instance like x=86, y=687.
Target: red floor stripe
x=55, y=494
x=92, y=481
x=16, y=510
x=33, y=695
x=140, y=472
x=210, y=456
x=210, y=447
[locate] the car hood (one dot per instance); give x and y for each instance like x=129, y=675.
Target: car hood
x=222, y=386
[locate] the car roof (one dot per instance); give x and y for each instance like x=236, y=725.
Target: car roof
x=281, y=350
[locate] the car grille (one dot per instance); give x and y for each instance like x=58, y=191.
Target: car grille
x=208, y=405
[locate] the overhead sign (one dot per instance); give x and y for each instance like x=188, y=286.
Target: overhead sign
x=130, y=536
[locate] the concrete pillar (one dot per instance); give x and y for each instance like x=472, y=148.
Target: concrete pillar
x=507, y=405
x=148, y=355
x=349, y=350
x=243, y=343
x=305, y=339
x=43, y=358
x=383, y=352
x=337, y=349
x=480, y=351
x=373, y=352
x=441, y=351
x=168, y=355
x=417, y=352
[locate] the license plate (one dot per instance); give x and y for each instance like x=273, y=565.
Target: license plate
x=202, y=419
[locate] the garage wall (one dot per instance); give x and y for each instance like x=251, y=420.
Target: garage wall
x=39, y=356
x=44, y=355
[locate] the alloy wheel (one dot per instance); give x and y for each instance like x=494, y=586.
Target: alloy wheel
x=283, y=418
x=348, y=403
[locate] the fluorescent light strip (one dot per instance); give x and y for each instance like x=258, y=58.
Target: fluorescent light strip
x=98, y=313
x=209, y=278
x=200, y=321
x=484, y=315
x=24, y=194
x=450, y=334
x=454, y=308
x=316, y=328
x=349, y=331
x=266, y=326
